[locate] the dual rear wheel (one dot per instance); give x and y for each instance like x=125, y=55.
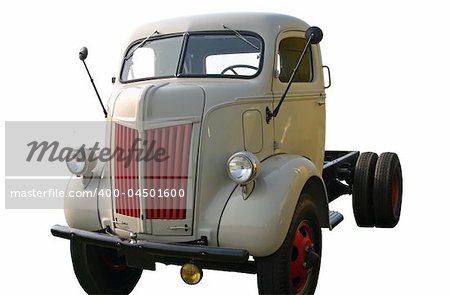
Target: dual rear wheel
x=377, y=190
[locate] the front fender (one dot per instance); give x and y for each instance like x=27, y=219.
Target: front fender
x=260, y=223
x=81, y=201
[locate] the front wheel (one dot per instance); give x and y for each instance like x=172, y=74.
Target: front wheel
x=101, y=270
x=294, y=268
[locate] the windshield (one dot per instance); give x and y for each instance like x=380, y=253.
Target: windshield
x=154, y=58
x=204, y=55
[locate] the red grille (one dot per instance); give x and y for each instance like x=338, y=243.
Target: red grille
x=126, y=171
x=170, y=174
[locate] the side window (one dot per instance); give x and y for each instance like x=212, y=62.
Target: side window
x=288, y=54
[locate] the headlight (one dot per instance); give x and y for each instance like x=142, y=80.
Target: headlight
x=76, y=167
x=243, y=167
x=79, y=164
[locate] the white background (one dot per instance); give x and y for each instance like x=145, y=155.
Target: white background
x=389, y=62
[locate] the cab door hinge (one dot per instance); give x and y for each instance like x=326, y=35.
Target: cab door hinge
x=276, y=145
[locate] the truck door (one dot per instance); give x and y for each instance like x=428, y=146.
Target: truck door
x=300, y=124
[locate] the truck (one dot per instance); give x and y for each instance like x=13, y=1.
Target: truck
x=217, y=128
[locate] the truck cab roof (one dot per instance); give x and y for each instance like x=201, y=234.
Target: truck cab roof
x=265, y=24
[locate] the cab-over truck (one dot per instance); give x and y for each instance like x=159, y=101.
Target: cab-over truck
x=222, y=121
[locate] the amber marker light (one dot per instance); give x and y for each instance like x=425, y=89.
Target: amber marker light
x=191, y=274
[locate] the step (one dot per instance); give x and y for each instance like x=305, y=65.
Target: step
x=335, y=219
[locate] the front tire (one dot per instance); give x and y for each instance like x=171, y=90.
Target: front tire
x=101, y=270
x=294, y=268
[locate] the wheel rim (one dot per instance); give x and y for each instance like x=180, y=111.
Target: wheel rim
x=303, y=241
x=395, y=194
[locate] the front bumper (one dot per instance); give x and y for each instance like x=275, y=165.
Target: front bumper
x=144, y=254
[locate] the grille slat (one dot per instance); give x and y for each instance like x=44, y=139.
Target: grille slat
x=117, y=171
x=184, y=168
x=135, y=168
x=128, y=169
x=177, y=167
x=126, y=173
x=170, y=172
x=155, y=165
x=149, y=171
x=162, y=173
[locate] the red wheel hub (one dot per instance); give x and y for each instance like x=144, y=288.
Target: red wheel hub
x=303, y=242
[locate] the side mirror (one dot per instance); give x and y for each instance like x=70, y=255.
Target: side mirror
x=315, y=33
x=83, y=53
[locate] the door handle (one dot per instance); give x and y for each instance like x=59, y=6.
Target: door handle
x=320, y=102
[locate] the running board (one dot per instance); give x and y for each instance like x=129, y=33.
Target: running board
x=335, y=219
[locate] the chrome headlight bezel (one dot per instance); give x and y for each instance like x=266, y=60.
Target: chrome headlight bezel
x=252, y=164
x=79, y=163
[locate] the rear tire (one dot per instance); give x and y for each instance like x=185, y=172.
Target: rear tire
x=388, y=188
x=363, y=189
x=284, y=272
x=102, y=270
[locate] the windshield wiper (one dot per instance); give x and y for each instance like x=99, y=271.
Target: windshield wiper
x=237, y=34
x=130, y=54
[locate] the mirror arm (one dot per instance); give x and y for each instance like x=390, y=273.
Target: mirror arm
x=82, y=55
